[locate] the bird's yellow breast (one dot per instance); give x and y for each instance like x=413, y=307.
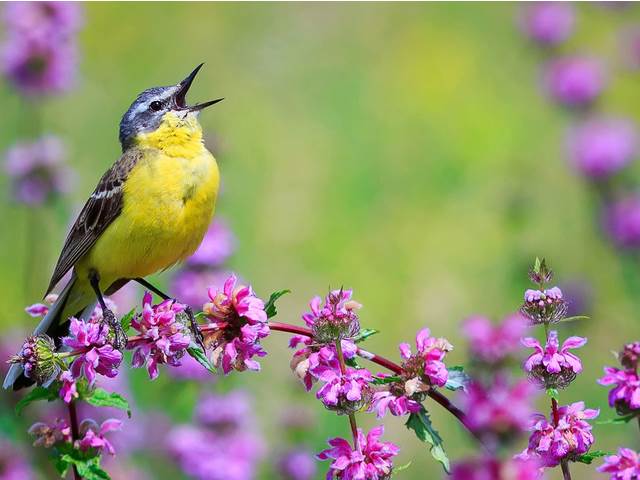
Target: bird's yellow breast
x=169, y=200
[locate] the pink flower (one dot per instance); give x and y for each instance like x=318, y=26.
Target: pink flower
x=95, y=355
x=625, y=396
x=336, y=319
x=163, y=337
x=311, y=361
x=370, y=461
x=552, y=366
x=217, y=245
x=501, y=409
x=629, y=355
x=397, y=402
x=548, y=306
x=490, y=468
x=427, y=362
x=237, y=324
x=623, y=466
x=297, y=465
x=49, y=434
x=69, y=389
x=493, y=343
x=548, y=23
x=94, y=435
x=574, y=81
x=568, y=439
x=347, y=392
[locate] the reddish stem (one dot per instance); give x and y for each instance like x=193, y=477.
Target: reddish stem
x=554, y=411
x=75, y=432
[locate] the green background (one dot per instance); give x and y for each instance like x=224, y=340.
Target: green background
x=403, y=150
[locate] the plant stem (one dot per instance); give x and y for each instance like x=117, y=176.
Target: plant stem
x=554, y=410
x=352, y=417
x=75, y=432
x=566, y=474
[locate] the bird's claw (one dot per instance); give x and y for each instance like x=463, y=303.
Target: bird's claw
x=119, y=335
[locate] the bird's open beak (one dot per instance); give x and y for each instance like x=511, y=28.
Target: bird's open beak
x=180, y=96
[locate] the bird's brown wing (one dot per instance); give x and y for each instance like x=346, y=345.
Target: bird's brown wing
x=104, y=206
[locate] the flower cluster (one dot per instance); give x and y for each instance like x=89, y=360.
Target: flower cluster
x=625, y=395
x=492, y=344
x=548, y=23
x=553, y=366
x=565, y=436
x=574, y=81
x=623, y=466
x=345, y=392
x=544, y=306
x=426, y=365
x=92, y=436
x=313, y=361
x=237, y=323
x=622, y=221
x=486, y=468
x=38, y=359
x=369, y=459
x=336, y=319
x=163, y=335
x=297, y=465
x=39, y=55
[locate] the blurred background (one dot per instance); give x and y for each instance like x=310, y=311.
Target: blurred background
x=421, y=154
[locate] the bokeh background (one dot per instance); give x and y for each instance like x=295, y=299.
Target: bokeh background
x=408, y=151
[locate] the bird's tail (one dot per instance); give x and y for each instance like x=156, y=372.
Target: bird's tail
x=74, y=300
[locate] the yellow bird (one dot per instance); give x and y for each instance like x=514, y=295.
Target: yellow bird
x=149, y=211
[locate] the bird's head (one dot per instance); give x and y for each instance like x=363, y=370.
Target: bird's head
x=157, y=105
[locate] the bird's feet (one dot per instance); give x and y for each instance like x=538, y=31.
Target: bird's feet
x=195, y=329
x=119, y=335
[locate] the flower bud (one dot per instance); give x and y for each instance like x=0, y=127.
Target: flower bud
x=546, y=306
x=39, y=359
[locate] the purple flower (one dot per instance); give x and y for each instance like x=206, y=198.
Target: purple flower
x=490, y=468
x=574, y=81
x=500, y=410
x=39, y=359
x=345, y=393
x=237, y=324
x=69, y=389
x=13, y=464
x=494, y=343
x=222, y=413
x=297, y=465
x=553, y=366
x=600, y=147
x=163, y=335
x=336, y=319
x=93, y=435
x=49, y=434
x=94, y=355
x=189, y=369
x=370, y=460
x=43, y=20
x=623, y=466
x=567, y=439
x=427, y=363
x=548, y=306
x=548, y=23
x=622, y=221
x=188, y=284
x=311, y=361
x=625, y=396
x=37, y=170
x=396, y=400
x=629, y=355
x=216, y=247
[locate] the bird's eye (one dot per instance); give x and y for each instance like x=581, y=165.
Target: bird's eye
x=155, y=105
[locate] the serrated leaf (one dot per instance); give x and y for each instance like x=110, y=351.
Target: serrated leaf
x=35, y=395
x=99, y=397
x=457, y=379
x=591, y=456
x=420, y=423
x=553, y=393
x=88, y=468
x=125, y=321
x=196, y=352
x=386, y=380
x=364, y=334
x=270, y=306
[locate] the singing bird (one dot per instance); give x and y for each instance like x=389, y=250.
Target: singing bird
x=149, y=211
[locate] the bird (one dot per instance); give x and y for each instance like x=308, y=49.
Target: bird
x=149, y=211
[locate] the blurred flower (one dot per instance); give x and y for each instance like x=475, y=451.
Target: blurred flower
x=189, y=369
x=578, y=296
x=336, y=319
x=500, y=410
x=224, y=413
x=37, y=170
x=395, y=400
x=548, y=23
x=546, y=306
x=574, y=81
x=623, y=466
x=69, y=389
x=163, y=335
x=188, y=284
x=217, y=246
x=600, y=147
x=345, y=392
x=237, y=324
x=43, y=20
x=297, y=465
x=311, y=361
x=493, y=343
x=553, y=366
x=629, y=355
x=38, y=358
x=94, y=354
x=490, y=468
x=93, y=435
x=566, y=440
x=49, y=434
x=622, y=221
x=371, y=459
x=13, y=464
x=625, y=396
x=630, y=47
x=427, y=363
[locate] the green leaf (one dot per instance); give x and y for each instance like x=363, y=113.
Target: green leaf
x=420, y=423
x=401, y=467
x=553, y=393
x=457, y=379
x=88, y=468
x=101, y=398
x=618, y=420
x=125, y=321
x=270, y=306
x=352, y=362
x=575, y=318
x=591, y=456
x=386, y=380
x=196, y=352
x=364, y=334
x=37, y=394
